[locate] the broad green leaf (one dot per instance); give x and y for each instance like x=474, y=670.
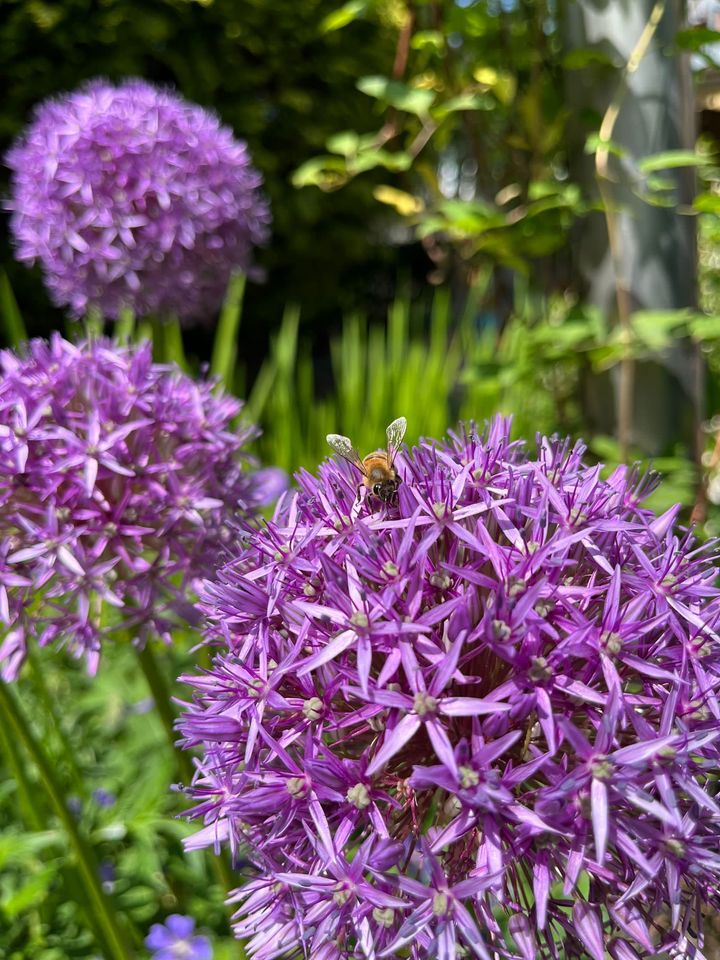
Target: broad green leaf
x=343, y=16
x=707, y=202
x=655, y=329
x=369, y=159
x=670, y=159
x=345, y=143
x=705, y=329
x=696, y=38
x=582, y=57
x=29, y=893
x=464, y=101
x=398, y=95
x=326, y=172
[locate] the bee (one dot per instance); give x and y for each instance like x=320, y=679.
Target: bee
x=379, y=475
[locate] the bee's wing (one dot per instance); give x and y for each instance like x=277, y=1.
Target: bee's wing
x=395, y=433
x=343, y=446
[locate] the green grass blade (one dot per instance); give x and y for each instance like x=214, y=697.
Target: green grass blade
x=12, y=321
x=224, y=355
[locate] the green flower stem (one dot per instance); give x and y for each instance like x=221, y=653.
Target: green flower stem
x=161, y=695
x=32, y=812
x=125, y=325
x=115, y=941
x=48, y=704
x=224, y=354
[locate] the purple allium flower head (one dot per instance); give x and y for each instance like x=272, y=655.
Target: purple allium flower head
x=481, y=721
x=118, y=479
x=175, y=940
x=130, y=196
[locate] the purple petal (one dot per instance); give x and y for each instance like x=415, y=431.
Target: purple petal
x=522, y=934
x=404, y=730
x=180, y=927
x=589, y=929
x=470, y=706
x=599, y=805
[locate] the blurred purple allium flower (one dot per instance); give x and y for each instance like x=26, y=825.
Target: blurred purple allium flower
x=483, y=721
x=131, y=196
x=175, y=940
x=118, y=478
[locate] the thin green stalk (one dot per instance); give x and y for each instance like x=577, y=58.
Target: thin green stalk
x=161, y=695
x=125, y=325
x=116, y=945
x=224, y=353
x=11, y=318
x=174, y=348
x=32, y=812
x=144, y=331
x=48, y=704
x=94, y=323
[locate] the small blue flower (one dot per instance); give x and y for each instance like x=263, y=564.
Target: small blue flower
x=174, y=940
x=103, y=798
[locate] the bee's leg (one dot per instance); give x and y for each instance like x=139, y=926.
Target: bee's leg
x=358, y=498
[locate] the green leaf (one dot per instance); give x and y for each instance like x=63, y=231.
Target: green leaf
x=369, y=159
x=696, y=38
x=705, y=329
x=398, y=95
x=343, y=16
x=11, y=319
x=594, y=143
x=345, y=143
x=428, y=38
x=405, y=203
x=670, y=159
x=327, y=173
x=583, y=57
x=464, y=101
x=656, y=329
x=707, y=202
x=29, y=893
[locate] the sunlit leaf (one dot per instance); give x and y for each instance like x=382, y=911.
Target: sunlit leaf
x=405, y=203
x=397, y=94
x=696, y=38
x=343, y=16
x=325, y=172
x=345, y=143
x=669, y=159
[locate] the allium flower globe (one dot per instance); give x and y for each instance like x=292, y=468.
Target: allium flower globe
x=480, y=722
x=118, y=479
x=130, y=196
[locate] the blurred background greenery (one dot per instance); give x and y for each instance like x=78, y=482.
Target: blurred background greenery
x=478, y=206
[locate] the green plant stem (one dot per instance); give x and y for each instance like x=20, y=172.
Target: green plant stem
x=161, y=695
x=224, y=354
x=125, y=326
x=48, y=705
x=115, y=941
x=31, y=811
x=12, y=321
